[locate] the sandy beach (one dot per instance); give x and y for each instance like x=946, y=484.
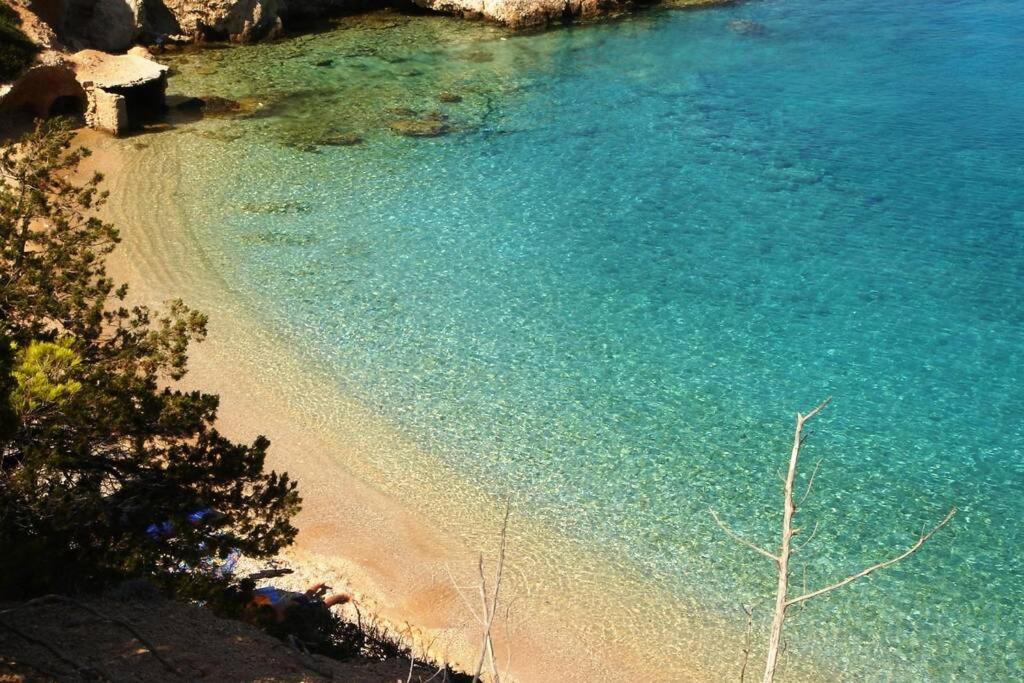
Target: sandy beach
x=409, y=554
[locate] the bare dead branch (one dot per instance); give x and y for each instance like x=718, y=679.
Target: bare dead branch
x=490, y=608
x=817, y=409
x=875, y=567
x=814, y=532
x=810, y=482
x=464, y=597
x=739, y=539
x=776, y=643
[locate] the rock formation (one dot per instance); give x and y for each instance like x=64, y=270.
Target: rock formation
x=114, y=25
x=528, y=13
x=117, y=93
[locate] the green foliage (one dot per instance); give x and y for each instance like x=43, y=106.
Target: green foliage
x=44, y=376
x=95, y=446
x=16, y=50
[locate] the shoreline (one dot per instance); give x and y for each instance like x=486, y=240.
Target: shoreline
x=398, y=548
x=397, y=560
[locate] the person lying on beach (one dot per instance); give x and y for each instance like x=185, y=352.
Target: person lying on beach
x=305, y=617
x=281, y=601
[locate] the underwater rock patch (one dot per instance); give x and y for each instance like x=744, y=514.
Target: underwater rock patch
x=215, y=105
x=477, y=56
x=419, y=128
x=282, y=207
x=449, y=97
x=275, y=238
x=341, y=139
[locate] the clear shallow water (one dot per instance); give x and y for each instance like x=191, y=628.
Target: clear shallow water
x=642, y=247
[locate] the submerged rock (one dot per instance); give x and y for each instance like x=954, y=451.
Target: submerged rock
x=747, y=27
x=341, y=139
x=215, y=105
x=185, y=103
x=275, y=238
x=420, y=128
x=281, y=207
x=449, y=97
x=477, y=56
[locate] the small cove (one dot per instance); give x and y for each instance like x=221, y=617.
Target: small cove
x=639, y=248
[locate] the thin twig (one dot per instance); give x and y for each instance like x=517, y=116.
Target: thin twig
x=810, y=538
x=739, y=539
x=465, y=598
x=746, y=641
x=810, y=482
x=491, y=609
x=875, y=567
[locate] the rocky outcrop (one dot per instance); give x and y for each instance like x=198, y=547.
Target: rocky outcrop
x=528, y=13
x=114, y=25
x=236, y=20
x=525, y=13
x=109, y=25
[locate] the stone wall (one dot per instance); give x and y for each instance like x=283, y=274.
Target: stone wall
x=107, y=111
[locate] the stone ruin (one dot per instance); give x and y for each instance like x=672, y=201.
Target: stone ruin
x=114, y=93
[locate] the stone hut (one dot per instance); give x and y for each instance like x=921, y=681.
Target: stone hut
x=121, y=91
x=115, y=93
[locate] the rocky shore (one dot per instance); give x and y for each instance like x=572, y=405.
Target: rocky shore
x=116, y=24
x=60, y=78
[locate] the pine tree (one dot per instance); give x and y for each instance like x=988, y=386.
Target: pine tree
x=96, y=449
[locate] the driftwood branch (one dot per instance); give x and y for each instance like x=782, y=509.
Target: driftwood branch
x=875, y=567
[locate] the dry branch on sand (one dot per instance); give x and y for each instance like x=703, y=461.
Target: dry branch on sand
x=489, y=604
x=782, y=558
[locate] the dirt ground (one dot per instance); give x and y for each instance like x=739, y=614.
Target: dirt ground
x=94, y=640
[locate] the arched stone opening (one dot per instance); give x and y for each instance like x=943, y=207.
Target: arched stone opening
x=70, y=106
x=41, y=87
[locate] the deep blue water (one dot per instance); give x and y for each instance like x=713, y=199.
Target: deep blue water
x=644, y=247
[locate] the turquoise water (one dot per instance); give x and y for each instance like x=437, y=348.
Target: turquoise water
x=640, y=248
